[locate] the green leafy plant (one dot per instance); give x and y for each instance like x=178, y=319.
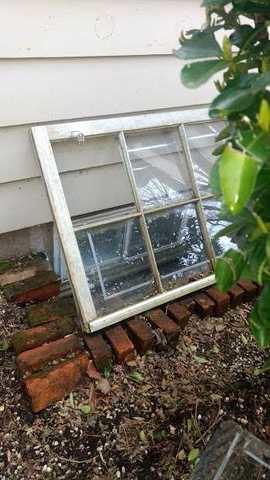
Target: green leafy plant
x=240, y=177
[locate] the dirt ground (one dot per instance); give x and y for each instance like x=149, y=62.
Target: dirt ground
x=145, y=421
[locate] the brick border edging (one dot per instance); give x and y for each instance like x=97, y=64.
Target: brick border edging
x=53, y=338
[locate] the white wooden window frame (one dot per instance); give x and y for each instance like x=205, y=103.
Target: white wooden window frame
x=45, y=136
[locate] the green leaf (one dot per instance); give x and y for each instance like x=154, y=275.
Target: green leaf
x=238, y=174
x=231, y=100
x=200, y=360
x=195, y=74
x=142, y=437
x=193, y=455
x=224, y=133
x=241, y=34
x=85, y=409
x=202, y=44
x=264, y=116
x=259, y=330
x=136, y=376
x=263, y=305
x=224, y=275
x=257, y=259
x=228, y=269
x=256, y=143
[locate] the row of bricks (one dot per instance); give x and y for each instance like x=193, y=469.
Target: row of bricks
x=211, y=302
x=43, y=389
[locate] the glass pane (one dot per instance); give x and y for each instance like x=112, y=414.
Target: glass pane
x=215, y=224
x=87, y=170
x=117, y=269
x=159, y=167
x=201, y=139
x=178, y=245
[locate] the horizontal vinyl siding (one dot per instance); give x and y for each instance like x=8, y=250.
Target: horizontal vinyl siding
x=49, y=90
x=82, y=28
x=59, y=63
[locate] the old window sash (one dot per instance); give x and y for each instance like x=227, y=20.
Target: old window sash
x=44, y=136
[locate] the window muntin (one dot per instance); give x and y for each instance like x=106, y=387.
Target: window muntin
x=100, y=260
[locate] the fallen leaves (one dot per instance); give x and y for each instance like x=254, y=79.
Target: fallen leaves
x=103, y=386
x=92, y=372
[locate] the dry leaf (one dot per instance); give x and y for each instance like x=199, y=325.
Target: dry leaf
x=103, y=386
x=92, y=372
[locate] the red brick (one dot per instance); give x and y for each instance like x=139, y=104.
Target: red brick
x=189, y=303
x=237, y=295
x=27, y=270
x=33, y=360
x=170, y=329
x=46, y=389
x=36, y=336
x=222, y=300
x=123, y=347
x=141, y=334
x=49, y=311
x=41, y=287
x=249, y=288
x=100, y=351
x=179, y=313
x=204, y=305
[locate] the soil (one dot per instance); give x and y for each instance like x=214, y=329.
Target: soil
x=146, y=420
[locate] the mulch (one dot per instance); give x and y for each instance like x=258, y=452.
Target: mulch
x=147, y=420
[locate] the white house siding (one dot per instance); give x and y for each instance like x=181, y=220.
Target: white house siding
x=62, y=60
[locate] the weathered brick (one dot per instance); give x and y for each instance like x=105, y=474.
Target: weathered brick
x=48, y=388
x=35, y=359
x=16, y=274
x=189, y=303
x=49, y=311
x=141, y=334
x=237, y=295
x=249, y=288
x=221, y=299
x=170, y=329
x=122, y=345
x=179, y=313
x=204, y=305
x=36, y=336
x=100, y=351
x=41, y=287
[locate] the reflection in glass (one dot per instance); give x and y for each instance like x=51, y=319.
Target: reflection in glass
x=178, y=245
x=201, y=139
x=118, y=271
x=159, y=167
x=215, y=224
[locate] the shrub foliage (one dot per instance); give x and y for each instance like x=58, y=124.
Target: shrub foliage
x=241, y=175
